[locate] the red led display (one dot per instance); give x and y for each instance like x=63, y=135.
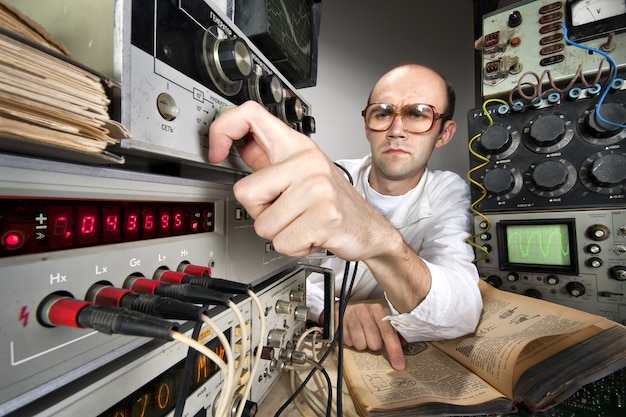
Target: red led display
x=34, y=226
x=87, y=225
x=59, y=228
x=111, y=221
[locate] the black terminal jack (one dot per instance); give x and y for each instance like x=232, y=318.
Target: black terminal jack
x=63, y=310
x=154, y=305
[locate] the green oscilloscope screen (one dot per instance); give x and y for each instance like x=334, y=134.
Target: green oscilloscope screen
x=540, y=245
x=546, y=244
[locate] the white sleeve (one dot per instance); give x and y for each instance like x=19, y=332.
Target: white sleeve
x=451, y=309
x=453, y=305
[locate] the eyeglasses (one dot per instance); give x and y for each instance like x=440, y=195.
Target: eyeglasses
x=416, y=118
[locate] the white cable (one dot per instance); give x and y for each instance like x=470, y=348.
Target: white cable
x=314, y=403
x=244, y=346
x=202, y=349
x=312, y=398
x=259, y=349
x=230, y=362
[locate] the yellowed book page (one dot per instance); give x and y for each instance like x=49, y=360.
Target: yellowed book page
x=429, y=376
x=26, y=109
x=50, y=136
x=509, y=323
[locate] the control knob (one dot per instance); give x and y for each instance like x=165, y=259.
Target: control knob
x=575, y=289
x=549, y=175
x=234, y=59
x=614, y=112
x=547, y=130
x=270, y=89
x=609, y=169
x=167, y=107
x=494, y=280
x=495, y=139
x=227, y=61
x=552, y=279
x=512, y=276
x=618, y=272
x=595, y=262
x=499, y=181
x=515, y=19
x=594, y=248
x=531, y=292
x=598, y=232
x=308, y=125
x=294, y=111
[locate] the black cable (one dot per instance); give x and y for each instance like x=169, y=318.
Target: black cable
x=337, y=339
x=345, y=171
x=343, y=304
x=329, y=401
x=342, y=308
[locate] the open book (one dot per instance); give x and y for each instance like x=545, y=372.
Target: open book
x=526, y=354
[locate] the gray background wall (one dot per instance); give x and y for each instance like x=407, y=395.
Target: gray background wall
x=361, y=39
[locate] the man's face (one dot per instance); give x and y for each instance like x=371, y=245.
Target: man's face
x=398, y=156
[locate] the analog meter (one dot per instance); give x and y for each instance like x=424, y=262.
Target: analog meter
x=588, y=19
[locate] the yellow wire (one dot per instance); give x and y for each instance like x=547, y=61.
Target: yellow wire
x=471, y=239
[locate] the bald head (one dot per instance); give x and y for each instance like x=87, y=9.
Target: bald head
x=415, y=76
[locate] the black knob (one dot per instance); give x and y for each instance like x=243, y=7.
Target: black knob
x=499, y=181
x=594, y=248
x=552, y=279
x=495, y=139
x=598, y=232
x=575, y=289
x=512, y=276
x=270, y=89
x=618, y=272
x=515, y=19
x=494, y=281
x=549, y=175
x=308, y=125
x=531, y=292
x=613, y=112
x=547, y=130
x=294, y=110
x=250, y=409
x=595, y=262
x=609, y=169
x=235, y=59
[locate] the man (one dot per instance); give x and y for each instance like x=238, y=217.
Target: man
x=409, y=231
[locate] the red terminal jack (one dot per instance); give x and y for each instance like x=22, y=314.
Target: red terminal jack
x=63, y=310
x=197, y=270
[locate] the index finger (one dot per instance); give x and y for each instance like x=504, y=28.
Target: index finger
x=223, y=132
x=268, y=139
x=393, y=345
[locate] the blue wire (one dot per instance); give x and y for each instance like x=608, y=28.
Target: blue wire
x=613, y=75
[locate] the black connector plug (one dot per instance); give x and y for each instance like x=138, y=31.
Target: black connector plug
x=206, y=281
x=154, y=305
x=218, y=284
x=184, y=292
x=58, y=310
